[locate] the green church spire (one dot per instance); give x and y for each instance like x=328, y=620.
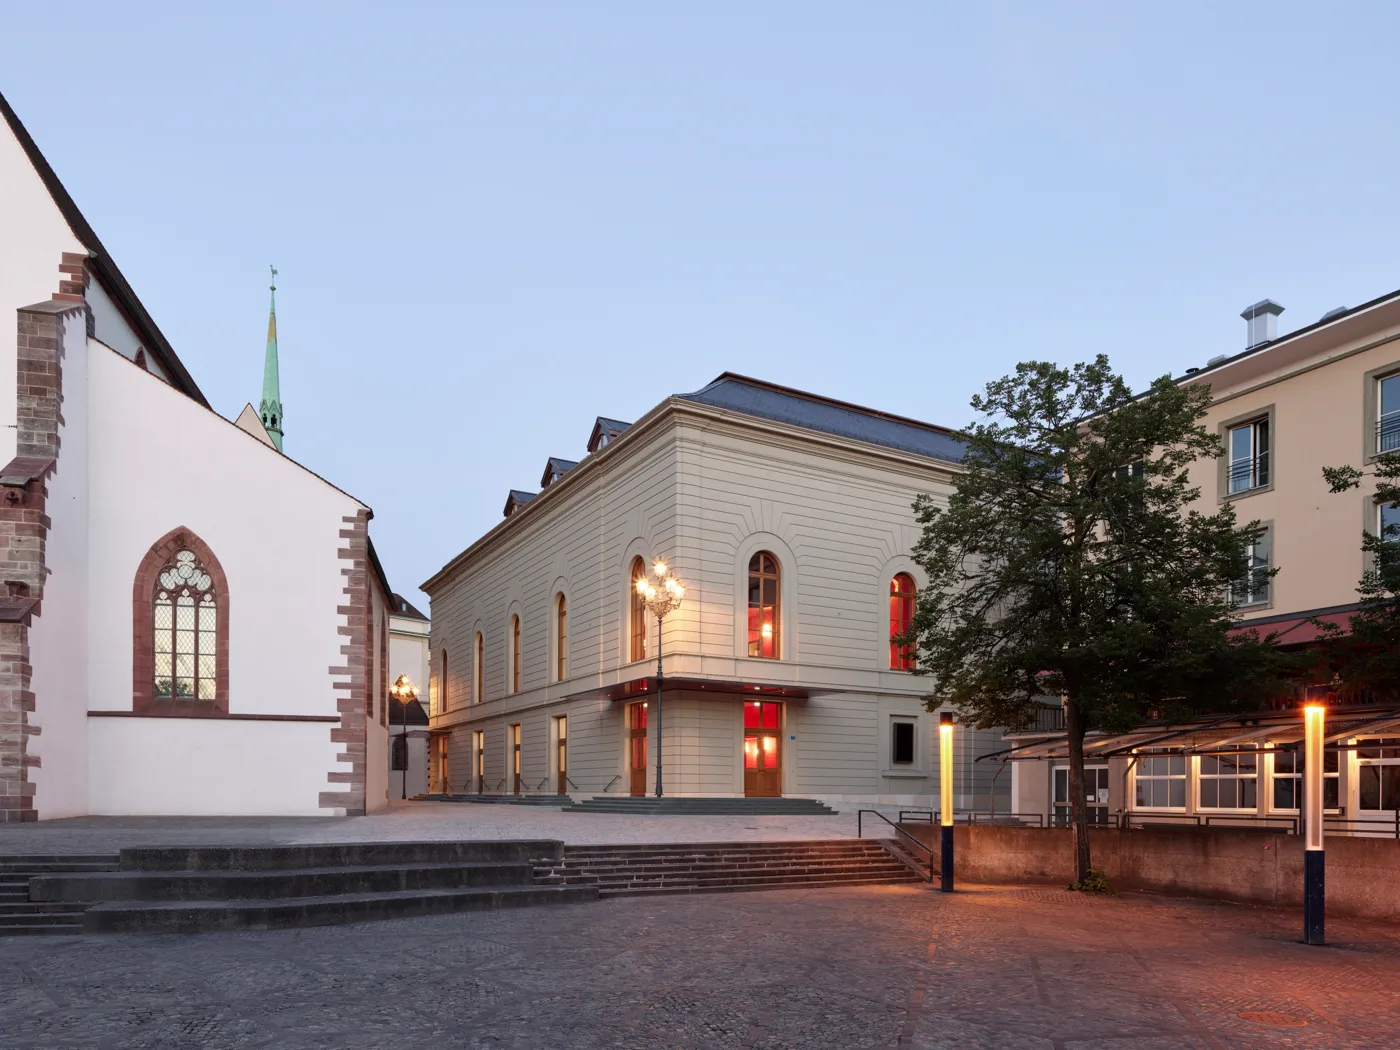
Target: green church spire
x=270, y=408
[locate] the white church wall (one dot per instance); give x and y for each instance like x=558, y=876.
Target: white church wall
x=58, y=642
x=111, y=327
x=377, y=731
x=160, y=461
x=35, y=236
x=208, y=767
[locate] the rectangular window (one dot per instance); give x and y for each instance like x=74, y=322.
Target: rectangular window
x=1253, y=587
x=902, y=743
x=1095, y=795
x=1288, y=780
x=1161, y=782
x=1388, y=418
x=1388, y=522
x=1378, y=775
x=1249, y=456
x=1229, y=782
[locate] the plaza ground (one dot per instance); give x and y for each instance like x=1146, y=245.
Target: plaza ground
x=903, y=968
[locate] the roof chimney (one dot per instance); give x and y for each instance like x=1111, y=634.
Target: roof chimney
x=1262, y=319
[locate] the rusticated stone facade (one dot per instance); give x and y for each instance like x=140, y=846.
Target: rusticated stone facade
x=353, y=676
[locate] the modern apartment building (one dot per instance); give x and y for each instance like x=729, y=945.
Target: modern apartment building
x=788, y=518
x=1325, y=395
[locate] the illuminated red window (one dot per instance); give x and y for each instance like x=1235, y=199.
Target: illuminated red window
x=763, y=606
x=901, y=616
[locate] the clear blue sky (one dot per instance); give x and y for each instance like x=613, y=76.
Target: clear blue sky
x=496, y=222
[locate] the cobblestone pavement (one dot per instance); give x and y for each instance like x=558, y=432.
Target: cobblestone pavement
x=413, y=821
x=903, y=968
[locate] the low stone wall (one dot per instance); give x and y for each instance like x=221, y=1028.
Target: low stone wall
x=1363, y=875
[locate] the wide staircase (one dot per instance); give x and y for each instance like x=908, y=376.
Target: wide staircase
x=20, y=915
x=719, y=867
x=268, y=887
x=554, y=801
x=719, y=806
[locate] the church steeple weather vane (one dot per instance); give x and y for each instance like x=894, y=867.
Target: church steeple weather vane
x=270, y=408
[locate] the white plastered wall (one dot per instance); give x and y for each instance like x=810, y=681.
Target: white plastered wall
x=33, y=238
x=159, y=461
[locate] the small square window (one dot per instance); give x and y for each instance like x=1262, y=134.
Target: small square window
x=902, y=744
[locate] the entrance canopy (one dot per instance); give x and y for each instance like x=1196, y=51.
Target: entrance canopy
x=1223, y=735
x=729, y=689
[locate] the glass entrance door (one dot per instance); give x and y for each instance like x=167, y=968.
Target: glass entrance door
x=515, y=758
x=763, y=766
x=561, y=760
x=1095, y=792
x=637, y=747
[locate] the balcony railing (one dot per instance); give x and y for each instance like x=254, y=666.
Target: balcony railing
x=1388, y=433
x=1049, y=719
x=1249, y=473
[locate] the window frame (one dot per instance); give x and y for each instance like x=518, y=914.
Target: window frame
x=1265, y=415
x=1296, y=775
x=1379, y=762
x=1371, y=394
x=902, y=658
x=776, y=578
x=1184, y=777
x=561, y=637
x=478, y=668
x=1266, y=534
x=514, y=653
x=1219, y=776
x=159, y=557
x=637, y=610
x=912, y=725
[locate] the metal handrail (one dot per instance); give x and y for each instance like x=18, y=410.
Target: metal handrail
x=916, y=816
x=1393, y=825
x=1388, y=433
x=1252, y=470
x=608, y=787
x=860, y=813
x=569, y=780
x=1035, y=820
x=1264, y=823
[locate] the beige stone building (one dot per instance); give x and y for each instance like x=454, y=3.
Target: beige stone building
x=788, y=518
x=1327, y=394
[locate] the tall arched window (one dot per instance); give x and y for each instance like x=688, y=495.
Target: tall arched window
x=442, y=684
x=478, y=669
x=180, y=629
x=902, y=591
x=515, y=654
x=561, y=634
x=637, y=641
x=764, y=623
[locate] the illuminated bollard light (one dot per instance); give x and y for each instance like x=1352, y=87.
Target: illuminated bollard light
x=945, y=789
x=1314, y=862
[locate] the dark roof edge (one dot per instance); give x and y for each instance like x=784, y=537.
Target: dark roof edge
x=107, y=271
x=1321, y=322
x=794, y=392
x=378, y=568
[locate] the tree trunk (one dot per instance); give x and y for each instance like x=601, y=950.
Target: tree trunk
x=1078, y=806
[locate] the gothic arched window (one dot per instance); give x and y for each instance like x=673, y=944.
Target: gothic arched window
x=180, y=629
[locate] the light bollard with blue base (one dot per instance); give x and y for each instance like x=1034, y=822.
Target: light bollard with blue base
x=945, y=797
x=1314, y=856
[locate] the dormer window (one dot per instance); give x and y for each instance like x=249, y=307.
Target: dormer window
x=605, y=432
x=555, y=469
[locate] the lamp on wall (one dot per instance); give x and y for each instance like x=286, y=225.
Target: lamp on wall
x=404, y=691
x=662, y=594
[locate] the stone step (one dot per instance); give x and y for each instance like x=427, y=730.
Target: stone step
x=504, y=800
x=270, y=885
x=39, y=929
x=37, y=917
x=611, y=870
x=331, y=855
x=643, y=890
x=197, y=916
x=700, y=806
x=734, y=856
x=48, y=907
x=40, y=859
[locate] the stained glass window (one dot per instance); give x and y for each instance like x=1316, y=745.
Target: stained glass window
x=186, y=619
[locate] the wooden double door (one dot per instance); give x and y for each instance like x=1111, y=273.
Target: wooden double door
x=763, y=748
x=637, y=748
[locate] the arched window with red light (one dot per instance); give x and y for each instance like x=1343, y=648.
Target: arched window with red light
x=764, y=623
x=902, y=592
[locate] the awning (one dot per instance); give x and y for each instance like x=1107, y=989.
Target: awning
x=1299, y=628
x=1229, y=735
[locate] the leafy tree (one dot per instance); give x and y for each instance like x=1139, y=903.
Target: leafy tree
x=1370, y=659
x=1067, y=563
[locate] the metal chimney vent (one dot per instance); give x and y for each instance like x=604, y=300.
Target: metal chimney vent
x=1262, y=319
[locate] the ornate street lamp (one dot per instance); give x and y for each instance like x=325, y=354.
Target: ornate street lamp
x=662, y=594
x=404, y=691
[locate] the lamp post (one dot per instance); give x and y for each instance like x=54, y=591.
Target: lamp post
x=662, y=594
x=945, y=790
x=404, y=691
x=1314, y=865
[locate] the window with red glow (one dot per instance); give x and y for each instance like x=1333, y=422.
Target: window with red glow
x=763, y=606
x=901, y=616
x=758, y=715
x=637, y=647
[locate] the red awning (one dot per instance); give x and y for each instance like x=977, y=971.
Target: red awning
x=1295, y=630
x=640, y=687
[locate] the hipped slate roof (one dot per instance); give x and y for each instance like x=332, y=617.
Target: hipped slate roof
x=784, y=405
x=406, y=610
